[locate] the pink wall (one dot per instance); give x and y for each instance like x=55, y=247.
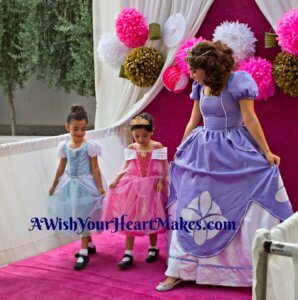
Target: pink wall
x=278, y=115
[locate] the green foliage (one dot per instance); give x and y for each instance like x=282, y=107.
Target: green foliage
x=49, y=38
x=18, y=42
x=66, y=45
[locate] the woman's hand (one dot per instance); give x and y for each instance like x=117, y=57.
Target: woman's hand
x=51, y=191
x=160, y=185
x=272, y=159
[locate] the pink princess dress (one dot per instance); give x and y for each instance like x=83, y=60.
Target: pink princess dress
x=136, y=198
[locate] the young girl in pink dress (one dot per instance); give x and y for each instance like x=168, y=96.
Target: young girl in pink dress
x=138, y=193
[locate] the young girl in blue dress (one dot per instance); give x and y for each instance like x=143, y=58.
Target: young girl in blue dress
x=224, y=171
x=78, y=187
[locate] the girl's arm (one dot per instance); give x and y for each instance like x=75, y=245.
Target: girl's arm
x=123, y=172
x=59, y=172
x=194, y=119
x=119, y=176
x=253, y=125
x=96, y=173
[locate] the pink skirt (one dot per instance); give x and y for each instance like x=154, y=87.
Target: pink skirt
x=136, y=202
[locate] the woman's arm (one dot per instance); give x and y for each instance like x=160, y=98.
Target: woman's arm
x=194, y=119
x=96, y=173
x=253, y=125
x=160, y=183
x=59, y=172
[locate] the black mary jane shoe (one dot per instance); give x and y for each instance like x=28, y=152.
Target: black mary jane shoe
x=126, y=264
x=151, y=258
x=81, y=262
x=91, y=250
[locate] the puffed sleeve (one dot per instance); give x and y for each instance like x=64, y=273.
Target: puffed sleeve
x=242, y=85
x=94, y=148
x=61, y=149
x=195, y=92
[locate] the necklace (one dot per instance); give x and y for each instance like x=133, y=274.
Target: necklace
x=143, y=153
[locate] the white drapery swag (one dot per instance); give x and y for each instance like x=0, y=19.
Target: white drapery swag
x=274, y=9
x=282, y=272
x=28, y=168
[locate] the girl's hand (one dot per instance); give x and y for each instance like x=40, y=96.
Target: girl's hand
x=160, y=185
x=51, y=191
x=101, y=191
x=272, y=159
x=113, y=184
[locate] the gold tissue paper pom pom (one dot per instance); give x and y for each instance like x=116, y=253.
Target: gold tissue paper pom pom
x=143, y=66
x=285, y=72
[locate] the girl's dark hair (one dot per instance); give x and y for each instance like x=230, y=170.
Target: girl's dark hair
x=77, y=112
x=136, y=122
x=216, y=59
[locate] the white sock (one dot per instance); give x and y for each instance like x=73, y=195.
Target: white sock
x=83, y=252
x=152, y=253
x=153, y=247
x=129, y=252
x=91, y=245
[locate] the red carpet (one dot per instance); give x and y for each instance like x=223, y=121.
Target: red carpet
x=51, y=276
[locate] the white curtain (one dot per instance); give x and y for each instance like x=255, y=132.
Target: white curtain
x=274, y=9
x=28, y=168
x=281, y=271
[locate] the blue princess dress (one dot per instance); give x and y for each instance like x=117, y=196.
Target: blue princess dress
x=220, y=175
x=76, y=195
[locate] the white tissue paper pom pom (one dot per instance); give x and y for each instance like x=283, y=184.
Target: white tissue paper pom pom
x=111, y=51
x=238, y=37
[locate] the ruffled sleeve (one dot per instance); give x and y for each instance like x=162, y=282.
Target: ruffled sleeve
x=61, y=149
x=130, y=154
x=160, y=154
x=241, y=85
x=94, y=148
x=195, y=92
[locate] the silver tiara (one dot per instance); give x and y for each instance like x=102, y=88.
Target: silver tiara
x=189, y=55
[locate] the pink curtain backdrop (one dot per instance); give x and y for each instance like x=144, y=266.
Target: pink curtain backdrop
x=278, y=115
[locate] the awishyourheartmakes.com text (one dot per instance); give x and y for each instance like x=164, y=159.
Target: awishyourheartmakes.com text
x=80, y=225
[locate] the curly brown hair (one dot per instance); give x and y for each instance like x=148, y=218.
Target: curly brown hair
x=216, y=59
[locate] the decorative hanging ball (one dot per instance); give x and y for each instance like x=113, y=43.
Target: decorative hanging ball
x=111, y=51
x=285, y=72
x=238, y=37
x=261, y=71
x=131, y=28
x=287, y=31
x=143, y=66
x=174, y=79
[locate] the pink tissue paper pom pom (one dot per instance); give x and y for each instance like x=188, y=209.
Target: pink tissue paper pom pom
x=287, y=31
x=182, y=53
x=131, y=28
x=261, y=71
x=174, y=79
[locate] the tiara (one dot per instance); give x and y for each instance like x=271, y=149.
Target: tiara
x=189, y=55
x=139, y=121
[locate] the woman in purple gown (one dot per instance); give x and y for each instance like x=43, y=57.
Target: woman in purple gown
x=224, y=178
